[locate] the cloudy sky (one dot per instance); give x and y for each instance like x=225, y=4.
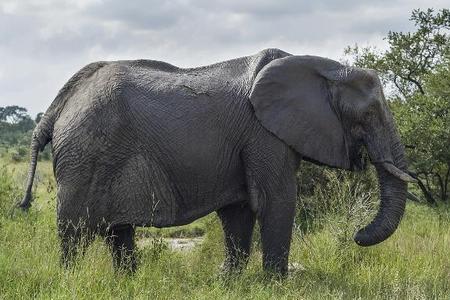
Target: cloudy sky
x=43, y=42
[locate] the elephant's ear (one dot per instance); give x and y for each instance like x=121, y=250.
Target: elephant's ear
x=292, y=99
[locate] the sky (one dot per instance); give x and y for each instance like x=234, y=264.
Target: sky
x=44, y=42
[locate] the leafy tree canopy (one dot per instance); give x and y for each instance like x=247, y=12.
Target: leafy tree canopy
x=15, y=126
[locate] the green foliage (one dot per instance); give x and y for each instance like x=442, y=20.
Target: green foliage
x=416, y=72
x=16, y=128
x=425, y=127
x=14, y=134
x=9, y=192
x=19, y=153
x=12, y=114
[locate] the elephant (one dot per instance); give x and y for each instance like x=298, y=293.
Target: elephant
x=146, y=143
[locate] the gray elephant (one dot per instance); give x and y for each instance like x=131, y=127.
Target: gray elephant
x=145, y=143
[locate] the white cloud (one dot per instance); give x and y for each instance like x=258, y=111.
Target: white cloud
x=43, y=42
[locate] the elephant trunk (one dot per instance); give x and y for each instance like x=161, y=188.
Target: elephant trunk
x=393, y=192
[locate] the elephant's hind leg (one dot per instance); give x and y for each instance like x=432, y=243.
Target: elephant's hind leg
x=74, y=239
x=238, y=221
x=121, y=240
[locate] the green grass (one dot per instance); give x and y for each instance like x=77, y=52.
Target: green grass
x=413, y=264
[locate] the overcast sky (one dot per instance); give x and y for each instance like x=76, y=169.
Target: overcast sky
x=44, y=42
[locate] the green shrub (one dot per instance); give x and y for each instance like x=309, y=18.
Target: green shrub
x=19, y=154
x=46, y=154
x=352, y=195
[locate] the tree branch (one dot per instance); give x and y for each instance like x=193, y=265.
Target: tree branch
x=426, y=193
x=446, y=183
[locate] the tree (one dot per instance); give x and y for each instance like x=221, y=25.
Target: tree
x=12, y=114
x=415, y=70
x=15, y=126
x=425, y=126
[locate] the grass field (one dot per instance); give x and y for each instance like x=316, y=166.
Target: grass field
x=413, y=264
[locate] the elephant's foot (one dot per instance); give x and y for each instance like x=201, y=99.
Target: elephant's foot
x=234, y=267
x=275, y=266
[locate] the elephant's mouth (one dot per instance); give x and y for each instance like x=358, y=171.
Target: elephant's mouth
x=358, y=155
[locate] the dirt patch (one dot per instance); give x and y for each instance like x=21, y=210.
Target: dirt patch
x=174, y=244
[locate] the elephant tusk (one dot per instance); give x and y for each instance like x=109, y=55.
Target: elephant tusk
x=397, y=172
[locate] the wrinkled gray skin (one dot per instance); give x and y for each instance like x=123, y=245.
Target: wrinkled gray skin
x=144, y=143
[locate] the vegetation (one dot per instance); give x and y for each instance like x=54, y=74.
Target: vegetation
x=16, y=127
x=412, y=264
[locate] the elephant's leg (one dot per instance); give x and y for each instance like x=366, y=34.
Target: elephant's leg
x=238, y=221
x=270, y=172
x=74, y=239
x=121, y=240
x=276, y=230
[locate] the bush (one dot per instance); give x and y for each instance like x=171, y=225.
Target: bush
x=352, y=197
x=3, y=151
x=46, y=154
x=19, y=154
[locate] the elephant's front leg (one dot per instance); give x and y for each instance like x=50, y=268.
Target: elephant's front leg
x=270, y=167
x=276, y=231
x=238, y=221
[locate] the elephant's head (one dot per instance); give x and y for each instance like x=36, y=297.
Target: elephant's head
x=327, y=112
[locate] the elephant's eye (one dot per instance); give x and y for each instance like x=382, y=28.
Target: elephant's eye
x=370, y=114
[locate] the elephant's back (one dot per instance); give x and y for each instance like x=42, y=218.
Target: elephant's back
x=205, y=104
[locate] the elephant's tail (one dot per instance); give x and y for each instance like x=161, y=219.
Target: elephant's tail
x=43, y=132
x=41, y=137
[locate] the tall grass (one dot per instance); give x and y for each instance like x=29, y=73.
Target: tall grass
x=413, y=264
